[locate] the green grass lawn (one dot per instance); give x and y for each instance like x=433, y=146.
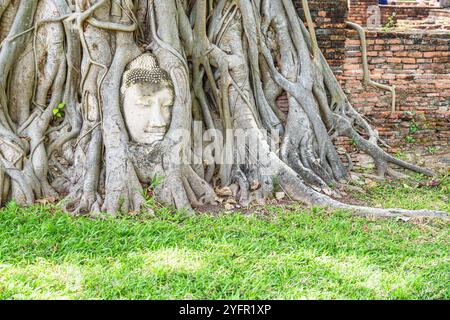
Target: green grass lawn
x=285, y=253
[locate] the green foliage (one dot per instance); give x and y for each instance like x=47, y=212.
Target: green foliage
x=274, y=253
x=413, y=128
x=58, y=112
x=276, y=184
x=156, y=181
x=390, y=23
x=431, y=149
x=410, y=139
x=400, y=155
x=415, y=193
x=150, y=203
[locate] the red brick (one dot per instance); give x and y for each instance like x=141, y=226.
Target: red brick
x=415, y=54
x=394, y=60
x=397, y=48
x=409, y=60
x=432, y=54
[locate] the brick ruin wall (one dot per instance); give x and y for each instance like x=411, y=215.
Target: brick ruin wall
x=404, y=12
x=418, y=64
x=359, y=12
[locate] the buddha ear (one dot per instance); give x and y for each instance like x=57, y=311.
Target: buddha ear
x=123, y=88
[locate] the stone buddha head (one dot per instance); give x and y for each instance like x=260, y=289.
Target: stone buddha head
x=147, y=98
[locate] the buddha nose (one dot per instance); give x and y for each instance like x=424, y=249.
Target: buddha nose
x=157, y=118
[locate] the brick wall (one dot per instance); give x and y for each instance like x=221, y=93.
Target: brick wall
x=329, y=17
x=417, y=63
x=358, y=11
x=403, y=12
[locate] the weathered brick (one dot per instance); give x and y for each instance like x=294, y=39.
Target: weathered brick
x=397, y=48
x=394, y=60
x=432, y=54
x=408, y=60
x=415, y=54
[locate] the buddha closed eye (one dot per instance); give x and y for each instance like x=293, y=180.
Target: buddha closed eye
x=147, y=97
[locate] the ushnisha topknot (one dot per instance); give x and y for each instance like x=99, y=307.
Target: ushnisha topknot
x=144, y=68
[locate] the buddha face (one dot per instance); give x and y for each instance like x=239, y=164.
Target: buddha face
x=147, y=108
x=147, y=99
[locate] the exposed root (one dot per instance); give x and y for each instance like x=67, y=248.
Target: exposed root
x=367, y=80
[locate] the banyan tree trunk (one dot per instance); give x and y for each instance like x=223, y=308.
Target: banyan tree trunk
x=63, y=128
